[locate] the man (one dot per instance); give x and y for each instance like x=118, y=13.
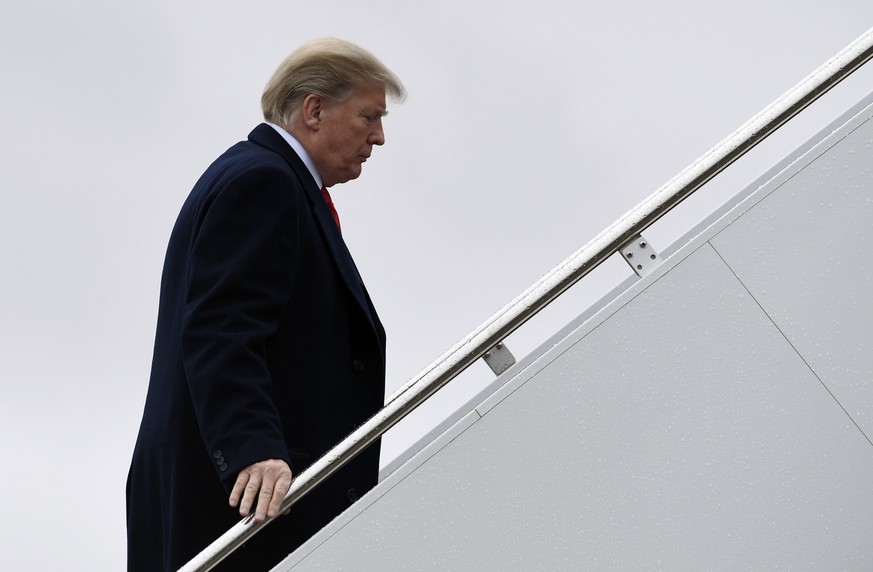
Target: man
x=268, y=350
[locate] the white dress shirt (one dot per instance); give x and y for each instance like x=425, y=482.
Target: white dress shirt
x=301, y=152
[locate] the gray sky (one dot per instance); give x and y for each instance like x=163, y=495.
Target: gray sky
x=529, y=128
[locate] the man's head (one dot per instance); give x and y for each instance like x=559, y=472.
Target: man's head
x=330, y=94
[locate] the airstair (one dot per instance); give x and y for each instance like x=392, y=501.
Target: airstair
x=713, y=412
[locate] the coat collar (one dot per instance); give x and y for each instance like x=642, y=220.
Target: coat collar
x=266, y=136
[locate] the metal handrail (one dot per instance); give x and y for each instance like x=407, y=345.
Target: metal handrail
x=553, y=284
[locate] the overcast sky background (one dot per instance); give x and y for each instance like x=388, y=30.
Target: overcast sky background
x=529, y=127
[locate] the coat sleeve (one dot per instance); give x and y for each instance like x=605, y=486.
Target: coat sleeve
x=242, y=270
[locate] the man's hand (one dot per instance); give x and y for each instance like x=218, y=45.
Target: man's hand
x=268, y=482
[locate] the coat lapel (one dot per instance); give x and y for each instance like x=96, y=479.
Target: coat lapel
x=266, y=136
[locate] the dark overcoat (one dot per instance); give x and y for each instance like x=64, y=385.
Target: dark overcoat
x=267, y=347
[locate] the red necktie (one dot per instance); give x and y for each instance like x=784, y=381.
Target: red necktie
x=329, y=202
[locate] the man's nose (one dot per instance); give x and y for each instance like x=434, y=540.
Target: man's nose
x=377, y=136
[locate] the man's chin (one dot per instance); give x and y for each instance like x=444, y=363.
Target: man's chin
x=349, y=177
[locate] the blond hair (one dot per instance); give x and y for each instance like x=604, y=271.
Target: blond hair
x=329, y=68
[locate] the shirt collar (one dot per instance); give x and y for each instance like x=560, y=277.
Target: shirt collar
x=301, y=152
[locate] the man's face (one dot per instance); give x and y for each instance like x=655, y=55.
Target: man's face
x=347, y=133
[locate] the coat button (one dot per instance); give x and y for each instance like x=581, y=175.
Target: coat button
x=217, y=453
x=223, y=467
x=220, y=461
x=358, y=365
x=353, y=495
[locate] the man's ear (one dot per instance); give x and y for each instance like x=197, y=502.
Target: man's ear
x=311, y=111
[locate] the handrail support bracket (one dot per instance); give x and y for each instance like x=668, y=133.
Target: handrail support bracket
x=499, y=358
x=640, y=255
